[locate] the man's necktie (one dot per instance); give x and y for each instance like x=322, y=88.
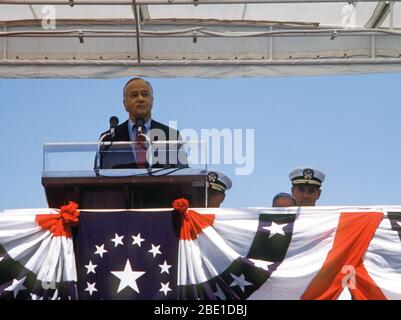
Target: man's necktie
x=140, y=150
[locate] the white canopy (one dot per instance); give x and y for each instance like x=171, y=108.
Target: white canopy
x=197, y=38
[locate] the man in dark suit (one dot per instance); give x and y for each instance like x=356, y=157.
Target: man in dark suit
x=142, y=129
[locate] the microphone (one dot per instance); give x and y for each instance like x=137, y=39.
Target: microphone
x=113, y=124
x=100, y=144
x=140, y=123
x=140, y=133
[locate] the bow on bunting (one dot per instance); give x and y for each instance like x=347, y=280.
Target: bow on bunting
x=60, y=224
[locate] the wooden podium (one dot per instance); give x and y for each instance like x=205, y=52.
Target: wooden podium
x=125, y=188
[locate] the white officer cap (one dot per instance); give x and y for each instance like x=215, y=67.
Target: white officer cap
x=218, y=181
x=307, y=175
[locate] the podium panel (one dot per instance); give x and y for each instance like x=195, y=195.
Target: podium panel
x=125, y=188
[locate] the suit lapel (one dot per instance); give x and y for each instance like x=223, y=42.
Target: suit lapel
x=123, y=134
x=153, y=125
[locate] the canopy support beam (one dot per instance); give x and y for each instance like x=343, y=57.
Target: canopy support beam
x=160, y=63
x=138, y=41
x=163, y=2
x=373, y=47
x=271, y=44
x=5, y=43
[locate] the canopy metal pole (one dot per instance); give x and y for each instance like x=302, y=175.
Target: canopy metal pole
x=5, y=43
x=271, y=44
x=373, y=47
x=138, y=43
x=163, y=2
x=188, y=63
x=201, y=33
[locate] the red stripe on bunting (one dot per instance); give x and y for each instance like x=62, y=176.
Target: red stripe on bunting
x=193, y=223
x=354, y=233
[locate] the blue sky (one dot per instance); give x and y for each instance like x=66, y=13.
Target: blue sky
x=348, y=126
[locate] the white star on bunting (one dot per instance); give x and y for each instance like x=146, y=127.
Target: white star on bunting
x=16, y=286
x=155, y=250
x=219, y=293
x=165, y=267
x=100, y=250
x=90, y=267
x=35, y=297
x=275, y=229
x=117, y=240
x=90, y=287
x=128, y=277
x=137, y=239
x=262, y=264
x=165, y=288
x=240, y=281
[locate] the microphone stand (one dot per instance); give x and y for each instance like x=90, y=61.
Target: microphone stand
x=98, y=157
x=149, y=153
